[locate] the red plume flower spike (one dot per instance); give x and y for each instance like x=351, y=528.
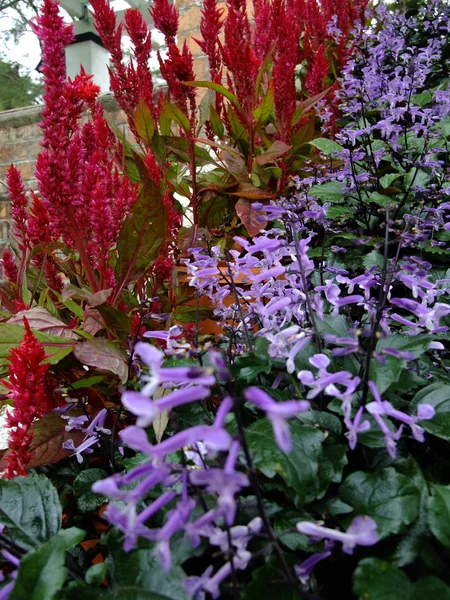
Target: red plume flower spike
x=29, y=391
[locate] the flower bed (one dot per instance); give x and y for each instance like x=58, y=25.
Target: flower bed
x=299, y=450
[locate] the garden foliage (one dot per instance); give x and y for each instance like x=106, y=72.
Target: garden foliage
x=302, y=451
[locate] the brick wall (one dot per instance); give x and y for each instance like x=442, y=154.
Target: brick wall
x=20, y=137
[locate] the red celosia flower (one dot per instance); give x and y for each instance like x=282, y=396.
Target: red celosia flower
x=210, y=26
x=19, y=205
x=165, y=16
x=318, y=71
x=28, y=385
x=9, y=266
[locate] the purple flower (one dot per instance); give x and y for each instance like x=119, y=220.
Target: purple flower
x=354, y=427
x=304, y=569
x=362, y=532
x=277, y=413
x=75, y=422
x=326, y=381
x=226, y=483
x=147, y=410
x=84, y=448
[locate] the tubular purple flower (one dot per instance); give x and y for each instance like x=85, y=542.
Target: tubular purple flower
x=354, y=427
x=277, y=413
x=147, y=410
x=362, y=532
x=304, y=569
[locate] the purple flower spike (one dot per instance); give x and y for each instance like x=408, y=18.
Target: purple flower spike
x=362, y=532
x=277, y=413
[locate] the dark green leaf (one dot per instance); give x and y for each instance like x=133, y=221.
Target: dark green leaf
x=331, y=191
x=42, y=572
x=217, y=88
x=331, y=465
x=30, y=509
x=12, y=335
x=96, y=574
x=142, y=233
x=438, y=396
x=86, y=499
x=386, y=496
x=267, y=582
x=375, y=579
x=172, y=111
x=299, y=468
x=430, y=588
x=439, y=513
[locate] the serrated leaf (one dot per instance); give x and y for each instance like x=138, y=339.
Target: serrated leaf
x=331, y=191
x=86, y=499
x=30, y=509
x=438, y=395
x=299, y=468
x=391, y=499
x=104, y=355
x=326, y=146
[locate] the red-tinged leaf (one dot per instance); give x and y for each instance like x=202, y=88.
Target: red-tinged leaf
x=264, y=111
x=143, y=121
x=40, y=319
x=141, y=235
x=49, y=434
x=304, y=107
x=249, y=217
x=93, y=299
x=251, y=192
x=103, y=355
x=277, y=149
x=236, y=166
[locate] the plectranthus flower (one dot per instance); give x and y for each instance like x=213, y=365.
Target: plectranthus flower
x=362, y=532
x=277, y=413
x=383, y=408
x=325, y=379
x=304, y=569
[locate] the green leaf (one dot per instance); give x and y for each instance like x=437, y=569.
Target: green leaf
x=87, y=383
x=12, y=335
x=438, y=395
x=422, y=99
x=375, y=579
x=96, y=574
x=217, y=88
x=42, y=572
x=322, y=420
x=172, y=111
x=30, y=509
x=142, y=234
x=104, y=355
x=326, y=146
x=386, y=496
x=143, y=121
x=416, y=177
x=299, y=468
x=264, y=111
x=335, y=325
x=380, y=199
x=116, y=318
x=331, y=465
x=140, y=569
x=439, y=513
x=430, y=587
x=268, y=583
x=373, y=259
x=216, y=122
x=386, y=180
x=331, y=191
x=86, y=499
x=248, y=367
x=188, y=314
x=385, y=375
